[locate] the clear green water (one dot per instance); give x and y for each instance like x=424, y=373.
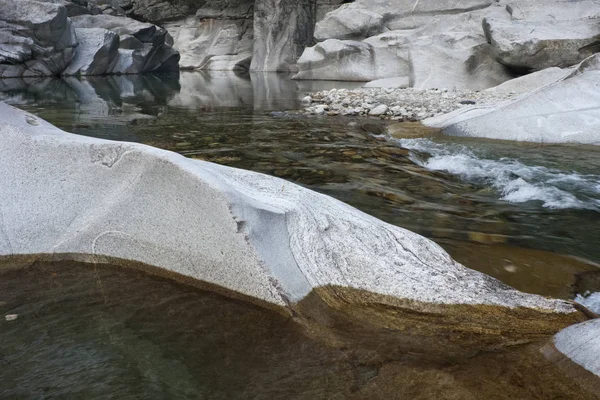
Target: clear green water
x=98, y=331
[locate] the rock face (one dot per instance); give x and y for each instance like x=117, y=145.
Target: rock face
x=566, y=111
x=213, y=44
x=535, y=45
x=218, y=36
x=142, y=48
x=36, y=39
x=97, y=53
x=471, y=45
x=364, y=18
x=442, y=43
x=350, y=61
x=262, y=237
x=282, y=29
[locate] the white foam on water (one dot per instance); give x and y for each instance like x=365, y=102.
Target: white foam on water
x=514, y=181
x=590, y=301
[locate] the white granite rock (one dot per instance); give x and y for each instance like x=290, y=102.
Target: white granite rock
x=212, y=44
x=536, y=45
x=441, y=44
x=96, y=54
x=364, y=18
x=581, y=344
x=566, y=111
x=349, y=23
x=282, y=29
x=395, y=82
x=143, y=47
x=378, y=110
x=36, y=39
x=531, y=82
x=258, y=235
x=349, y=60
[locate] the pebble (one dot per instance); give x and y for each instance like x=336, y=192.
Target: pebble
x=11, y=317
x=379, y=110
x=396, y=104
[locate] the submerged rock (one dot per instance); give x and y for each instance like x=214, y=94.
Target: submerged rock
x=334, y=268
x=36, y=39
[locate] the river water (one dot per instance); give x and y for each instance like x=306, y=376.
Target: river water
x=528, y=214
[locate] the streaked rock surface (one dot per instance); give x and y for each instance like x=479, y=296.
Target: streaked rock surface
x=96, y=54
x=535, y=45
x=282, y=29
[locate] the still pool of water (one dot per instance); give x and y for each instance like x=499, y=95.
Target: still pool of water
x=98, y=331
x=527, y=214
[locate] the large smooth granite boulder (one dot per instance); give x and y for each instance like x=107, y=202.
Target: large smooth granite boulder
x=143, y=47
x=36, y=38
x=565, y=111
x=253, y=236
x=535, y=45
x=282, y=29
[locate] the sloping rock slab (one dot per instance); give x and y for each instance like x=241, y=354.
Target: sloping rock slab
x=36, y=39
x=263, y=237
x=567, y=111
